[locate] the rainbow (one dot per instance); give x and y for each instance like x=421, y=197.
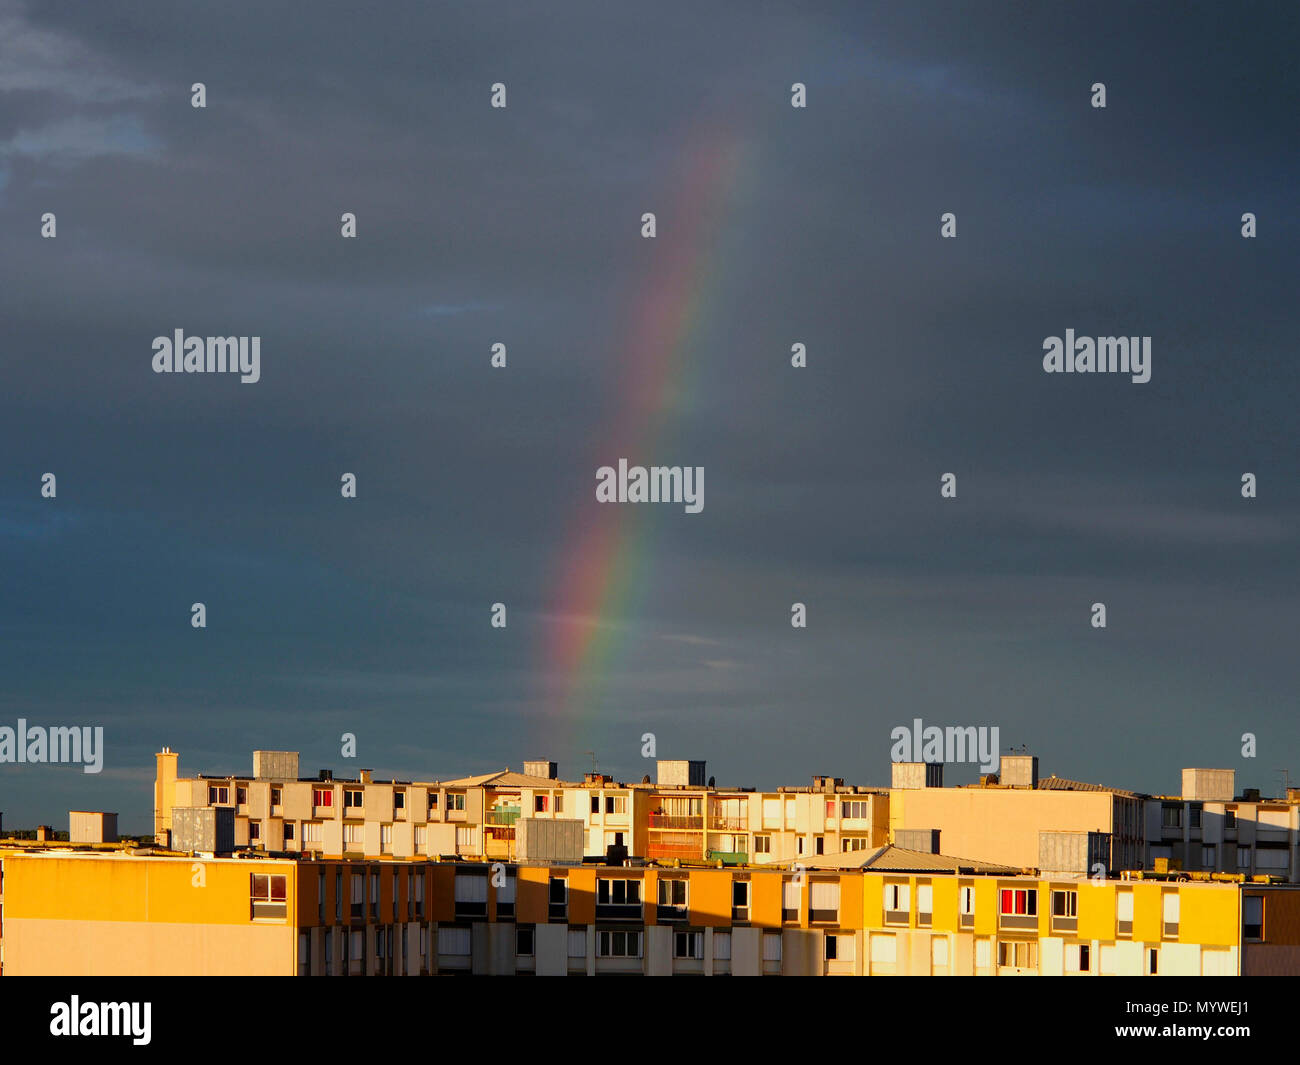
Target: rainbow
x=605, y=558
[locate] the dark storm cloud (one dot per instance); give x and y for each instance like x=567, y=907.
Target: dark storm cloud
x=522, y=226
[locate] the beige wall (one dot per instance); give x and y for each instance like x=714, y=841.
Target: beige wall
x=136, y=948
x=998, y=824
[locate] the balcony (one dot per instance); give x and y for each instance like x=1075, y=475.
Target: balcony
x=678, y=822
x=505, y=816
x=728, y=824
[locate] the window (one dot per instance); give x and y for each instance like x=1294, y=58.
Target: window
x=740, y=900
x=419, y=897
x=277, y=796
x=1230, y=819
x=1018, y=908
x=386, y=836
x=433, y=800
x=1171, y=815
x=799, y=844
x=688, y=945
x=1021, y=902
x=454, y=941
x=615, y=893
x=924, y=904
x=288, y=831
x=577, y=943
x=855, y=810
x=352, y=798
x=421, y=838
x=456, y=802
x=898, y=903
x=218, y=795
x=506, y=896
x=966, y=906
x=1194, y=815
x=1207, y=856
x=595, y=804
x=1076, y=957
x=466, y=839
x=267, y=894
x=615, y=804
x=1065, y=910
x=322, y=796
x=839, y=948
x=559, y=898
x=1153, y=962
x=241, y=796
x=471, y=895
x=559, y=802
x=304, y=954
x=329, y=952
x=320, y=896
x=855, y=843
x=618, y=945
x=399, y=800
x=722, y=946
x=524, y=941
x=824, y=901
x=254, y=831
x=1243, y=857
x=541, y=804
x=358, y=895
x=762, y=844
x=1169, y=910
x=374, y=894
x=354, y=834
x=772, y=946
x=1018, y=954
x=1252, y=917
x=338, y=896
x=311, y=832
x=820, y=843
x=939, y=951
x=672, y=898
x=790, y=901
x=1124, y=913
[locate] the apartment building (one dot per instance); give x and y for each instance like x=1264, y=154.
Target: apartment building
x=75, y=912
x=678, y=817
x=1208, y=827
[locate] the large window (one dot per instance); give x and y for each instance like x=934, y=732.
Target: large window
x=618, y=945
x=855, y=810
x=1065, y=910
x=322, y=797
x=618, y=894
x=455, y=942
x=353, y=798
x=688, y=945
x=790, y=901
x=898, y=903
x=471, y=895
x=824, y=901
x=267, y=894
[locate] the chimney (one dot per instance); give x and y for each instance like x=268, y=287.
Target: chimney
x=365, y=776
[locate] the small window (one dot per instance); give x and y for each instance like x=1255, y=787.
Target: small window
x=241, y=796
x=595, y=804
x=688, y=945
x=254, y=831
x=762, y=844
x=288, y=831
x=399, y=800
x=524, y=941
x=277, y=796
x=352, y=798
x=541, y=803
x=1252, y=924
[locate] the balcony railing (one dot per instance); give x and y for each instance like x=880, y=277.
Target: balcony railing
x=687, y=822
x=503, y=815
x=729, y=824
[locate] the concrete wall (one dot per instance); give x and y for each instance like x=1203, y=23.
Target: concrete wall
x=1213, y=784
x=275, y=765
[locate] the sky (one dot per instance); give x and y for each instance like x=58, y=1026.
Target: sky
x=522, y=225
